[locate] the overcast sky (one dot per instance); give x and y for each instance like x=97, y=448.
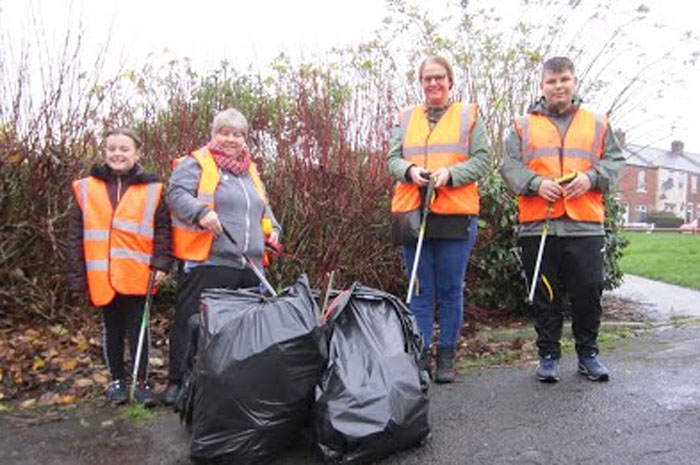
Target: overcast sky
x=245, y=32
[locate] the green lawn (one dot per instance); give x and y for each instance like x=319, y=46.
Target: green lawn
x=669, y=257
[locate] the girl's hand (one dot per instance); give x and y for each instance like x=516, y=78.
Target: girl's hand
x=211, y=222
x=160, y=275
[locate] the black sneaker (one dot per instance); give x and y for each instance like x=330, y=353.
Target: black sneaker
x=171, y=393
x=117, y=393
x=548, y=369
x=593, y=368
x=144, y=394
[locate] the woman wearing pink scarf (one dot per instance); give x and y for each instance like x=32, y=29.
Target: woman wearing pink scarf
x=215, y=187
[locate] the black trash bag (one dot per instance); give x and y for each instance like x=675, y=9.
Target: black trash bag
x=372, y=400
x=258, y=361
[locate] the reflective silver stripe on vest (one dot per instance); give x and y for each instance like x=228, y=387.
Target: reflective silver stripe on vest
x=96, y=265
x=525, y=129
x=96, y=235
x=544, y=152
x=461, y=147
x=599, y=128
x=436, y=148
x=405, y=118
x=83, y=194
x=465, y=124
x=149, y=212
x=131, y=255
x=128, y=226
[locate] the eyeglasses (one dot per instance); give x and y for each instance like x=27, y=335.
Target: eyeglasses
x=438, y=78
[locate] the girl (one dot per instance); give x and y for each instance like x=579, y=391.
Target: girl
x=119, y=229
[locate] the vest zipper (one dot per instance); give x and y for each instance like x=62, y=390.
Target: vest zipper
x=562, y=137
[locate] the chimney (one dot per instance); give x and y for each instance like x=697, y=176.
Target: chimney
x=677, y=147
x=620, y=136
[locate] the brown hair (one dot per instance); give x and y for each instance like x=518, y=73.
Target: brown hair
x=442, y=61
x=128, y=132
x=558, y=65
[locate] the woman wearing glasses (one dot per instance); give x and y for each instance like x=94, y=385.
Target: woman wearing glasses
x=443, y=142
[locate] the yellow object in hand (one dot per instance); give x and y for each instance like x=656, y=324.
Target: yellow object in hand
x=267, y=226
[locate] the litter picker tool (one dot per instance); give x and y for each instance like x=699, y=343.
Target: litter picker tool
x=543, y=238
x=142, y=332
x=421, y=235
x=251, y=264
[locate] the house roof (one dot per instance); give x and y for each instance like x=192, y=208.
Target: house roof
x=639, y=155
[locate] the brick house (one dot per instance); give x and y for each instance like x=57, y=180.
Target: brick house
x=659, y=180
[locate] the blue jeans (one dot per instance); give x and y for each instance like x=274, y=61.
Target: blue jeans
x=441, y=270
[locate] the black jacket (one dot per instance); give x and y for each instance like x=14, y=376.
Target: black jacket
x=116, y=186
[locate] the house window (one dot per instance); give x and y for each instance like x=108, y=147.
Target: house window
x=681, y=181
x=694, y=185
x=641, y=212
x=689, y=213
x=669, y=207
x=642, y=181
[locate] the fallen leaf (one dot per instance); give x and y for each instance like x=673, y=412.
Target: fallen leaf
x=59, y=330
x=156, y=362
x=83, y=345
x=100, y=378
x=66, y=399
x=51, y=353
x=69, y=365
x=83, y=382
x=3, y=408
x=29, y=403
x=48, y=398
x=107, y=423
x=38, y=364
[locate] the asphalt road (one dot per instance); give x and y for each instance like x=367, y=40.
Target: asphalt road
x=648, y=414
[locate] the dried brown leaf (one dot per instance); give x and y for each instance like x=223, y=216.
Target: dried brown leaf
x=69, y=365
x=29, y=403
x=38, y=364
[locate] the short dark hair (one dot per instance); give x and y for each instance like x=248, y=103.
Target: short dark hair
x=128, y=132
x=558, y=65
x=442, y=61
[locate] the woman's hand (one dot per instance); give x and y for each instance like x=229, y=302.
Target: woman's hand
x=419, y=175
x=441, y=177
x=211, y=222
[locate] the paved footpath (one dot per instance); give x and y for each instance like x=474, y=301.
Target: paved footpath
x=662, y=301
x=648, y=414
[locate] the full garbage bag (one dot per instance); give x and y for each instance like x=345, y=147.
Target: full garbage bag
x=257, y=364
x=372, y=400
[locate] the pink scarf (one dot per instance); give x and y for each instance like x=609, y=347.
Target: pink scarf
x=226, y=161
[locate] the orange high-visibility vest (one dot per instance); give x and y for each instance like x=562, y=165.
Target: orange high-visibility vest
x=117, y=243
x=190, y=241
x=551, y=156
x=445, y=145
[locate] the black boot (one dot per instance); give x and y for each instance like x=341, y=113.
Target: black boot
x=445, y=372
x=171, y=393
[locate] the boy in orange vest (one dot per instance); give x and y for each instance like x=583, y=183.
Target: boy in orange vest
x=119, y=229
x=558, y=138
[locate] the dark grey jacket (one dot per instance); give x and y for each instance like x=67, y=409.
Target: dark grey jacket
x=524, y=181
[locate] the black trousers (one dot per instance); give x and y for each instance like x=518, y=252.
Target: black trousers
x=571, y=266
x=122, y=319
x=189, y=289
